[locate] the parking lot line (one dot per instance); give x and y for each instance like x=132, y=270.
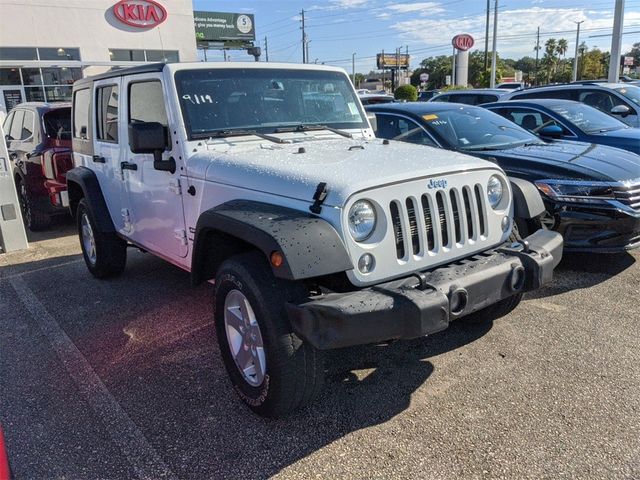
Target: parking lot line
x=146, y=462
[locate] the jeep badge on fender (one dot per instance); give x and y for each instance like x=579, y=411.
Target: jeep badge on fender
x=267, y=180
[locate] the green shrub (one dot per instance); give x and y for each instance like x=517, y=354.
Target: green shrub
x=406, y=92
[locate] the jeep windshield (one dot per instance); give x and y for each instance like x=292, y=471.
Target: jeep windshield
x=266, y=100
x=474, y=128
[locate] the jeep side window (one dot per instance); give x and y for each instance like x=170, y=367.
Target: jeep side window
x=107, y=113
x=81, y=114
x=146, y=103
x=27, y=125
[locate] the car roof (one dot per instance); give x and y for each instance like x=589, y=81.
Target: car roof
x=570, y=86
x=43, y=105
x=499, y=91
x=543, y=102
x=416, y=108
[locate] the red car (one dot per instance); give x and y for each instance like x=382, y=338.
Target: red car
x=4, y=462
x=39, y=143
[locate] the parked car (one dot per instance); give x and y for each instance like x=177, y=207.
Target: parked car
x=315, y=240
x=375, y=98
x=39, y=143
x=591, y=192
x=511, y=85
x=427, y=95
x=471, y=97
x=569, y=120
x=621, y=100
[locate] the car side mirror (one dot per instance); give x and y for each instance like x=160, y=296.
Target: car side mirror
x=151, y=137
x=622, y=110
x=551, y=131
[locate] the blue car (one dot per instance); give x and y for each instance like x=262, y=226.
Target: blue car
x=568, y=120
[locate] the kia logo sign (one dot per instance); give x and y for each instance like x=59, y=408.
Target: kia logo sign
x=140, y=13
x=463, y=41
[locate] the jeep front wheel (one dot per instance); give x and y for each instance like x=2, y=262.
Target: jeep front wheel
x=104, y=253
x=273, y=371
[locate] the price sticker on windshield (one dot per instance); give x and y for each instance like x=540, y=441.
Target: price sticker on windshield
x=430, y=117
x=352, y=108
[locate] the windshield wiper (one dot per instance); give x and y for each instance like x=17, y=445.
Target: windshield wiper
x=307, y=128
x=238, y=133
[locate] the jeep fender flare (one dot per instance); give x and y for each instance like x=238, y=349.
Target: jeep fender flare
x=82, y=182
x=527, y=202
x=310, y=246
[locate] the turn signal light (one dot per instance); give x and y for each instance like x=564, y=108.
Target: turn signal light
x=277, y=259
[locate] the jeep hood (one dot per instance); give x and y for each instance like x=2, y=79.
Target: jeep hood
x=347, y=166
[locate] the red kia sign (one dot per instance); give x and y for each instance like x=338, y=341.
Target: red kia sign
x=463, y=41
x=140, y=13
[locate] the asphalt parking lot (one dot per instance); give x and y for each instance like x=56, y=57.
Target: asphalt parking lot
x=123, y=379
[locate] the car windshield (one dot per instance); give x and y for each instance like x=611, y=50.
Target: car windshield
x=57, y=124
x=586, y=118
x=474, y=128
x=631, y=92
x=265, y=99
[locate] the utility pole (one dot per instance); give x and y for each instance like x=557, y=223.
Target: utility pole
x=494, y=57
x=537, y=50
x=486, y=38
x=304, y=39
x=453, y=67
x=353, y=68
x=575, y=58
x=406, y=72
x=616, y=42
x=266, y=49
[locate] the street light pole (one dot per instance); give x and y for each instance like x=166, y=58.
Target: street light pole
x=616, y=42
x=574, y=77
x=353, y=68
x=494, y=58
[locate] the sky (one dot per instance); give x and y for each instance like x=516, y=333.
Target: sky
x=339, y=28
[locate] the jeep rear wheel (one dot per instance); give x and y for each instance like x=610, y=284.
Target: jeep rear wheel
x=33, y=219
x=104, y=253
x=273, y=371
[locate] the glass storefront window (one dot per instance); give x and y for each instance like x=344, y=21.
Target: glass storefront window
x=61, y=76
x=58, y=94
x=18, y=53
x=31, y=76
x=162, y=56
x=119, y=55
x=59, y=53
x=9, y=76
x=34, y=94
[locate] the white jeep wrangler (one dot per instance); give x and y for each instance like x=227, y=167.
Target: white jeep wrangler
x=266, y=179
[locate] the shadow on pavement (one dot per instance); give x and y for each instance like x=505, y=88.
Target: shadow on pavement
x=150, y=338
x=584, y=270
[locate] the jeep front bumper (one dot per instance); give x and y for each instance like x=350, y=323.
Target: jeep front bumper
x=424, y=303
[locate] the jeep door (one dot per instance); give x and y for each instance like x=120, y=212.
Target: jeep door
x=154, y=197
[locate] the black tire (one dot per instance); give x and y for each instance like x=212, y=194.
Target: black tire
x=110, y=250
x=34, y=220
x=294, y=371
x=495, y=311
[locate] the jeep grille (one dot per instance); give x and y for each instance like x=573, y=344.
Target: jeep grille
x=433, y=221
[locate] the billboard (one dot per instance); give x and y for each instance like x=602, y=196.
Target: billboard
x=222, y=27
x=391, y=60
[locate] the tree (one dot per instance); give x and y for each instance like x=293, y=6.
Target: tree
x=437, y=67
x=359, y=79
x=549, y=60
x=561, y=48
x=406, y=92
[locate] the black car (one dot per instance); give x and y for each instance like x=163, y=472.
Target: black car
x=548, y=117
x=591, y=192
x=471, y=97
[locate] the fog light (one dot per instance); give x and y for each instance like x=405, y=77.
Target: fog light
x=367, y=263
x=505, y=224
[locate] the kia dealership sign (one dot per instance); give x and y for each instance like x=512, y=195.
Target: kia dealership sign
x=140, y=13
x=463, y=42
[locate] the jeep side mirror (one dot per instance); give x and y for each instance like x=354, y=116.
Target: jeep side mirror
x=151, y=137
x=622, y=110
x=551, y=131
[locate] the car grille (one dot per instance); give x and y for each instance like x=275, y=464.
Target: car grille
x=629, y=195
x=428, y=223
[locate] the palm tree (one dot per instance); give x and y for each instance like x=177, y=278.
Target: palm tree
x=562, y=48
x=550, y=59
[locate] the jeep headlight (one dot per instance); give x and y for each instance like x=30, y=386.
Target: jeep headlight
x=495, y=191
x=362, y=220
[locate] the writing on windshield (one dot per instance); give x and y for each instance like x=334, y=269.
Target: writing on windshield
x=586, y=118
x=265, y=99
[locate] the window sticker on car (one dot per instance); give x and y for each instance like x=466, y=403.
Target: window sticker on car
x=464, y=141
x=198, y=99
x=431, y=116
x=352, y=108
x=439, y=122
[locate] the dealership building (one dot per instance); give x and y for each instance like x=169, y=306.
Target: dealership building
x=46, y=45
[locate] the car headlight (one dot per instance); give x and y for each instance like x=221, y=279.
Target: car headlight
x=495, y=191
x=576, y=191
x=362, y=220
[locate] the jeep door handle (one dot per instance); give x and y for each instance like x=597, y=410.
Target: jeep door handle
x=98, y=159
x=128, y=166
